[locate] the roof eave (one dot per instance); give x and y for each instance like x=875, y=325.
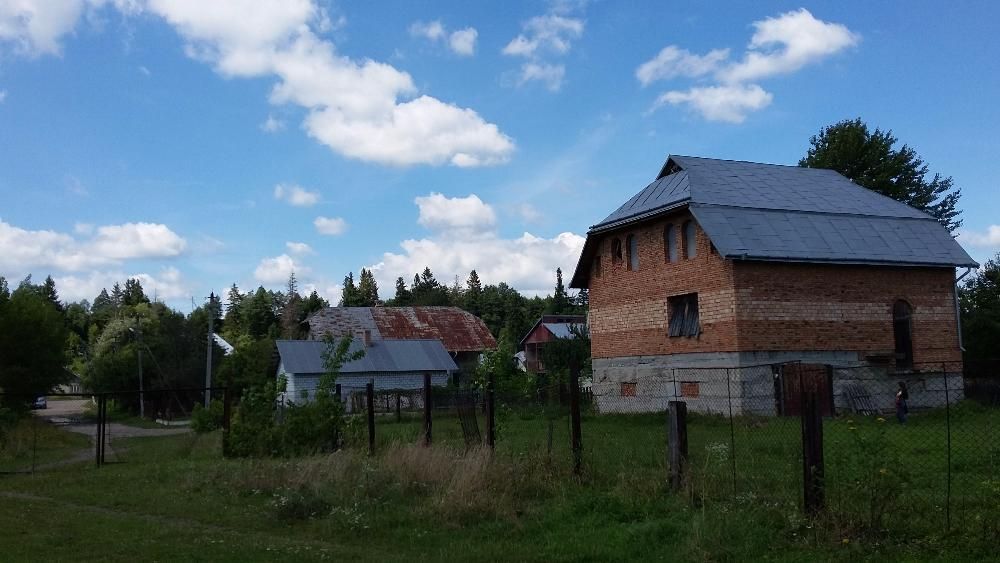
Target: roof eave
x=802, y=260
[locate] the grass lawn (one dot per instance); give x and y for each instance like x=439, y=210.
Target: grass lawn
x=35, y=442
x=176, y=499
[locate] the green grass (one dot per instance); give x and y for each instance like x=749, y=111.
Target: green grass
x=35, y=442
x=174, y=498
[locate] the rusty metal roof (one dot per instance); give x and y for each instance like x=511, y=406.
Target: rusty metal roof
x=458, y=330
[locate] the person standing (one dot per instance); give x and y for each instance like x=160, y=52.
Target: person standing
x=902, y=409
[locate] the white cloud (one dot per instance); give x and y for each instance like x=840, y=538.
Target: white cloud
x=167, y=284
x=441, y=213
x=295, y=195
x=990, y=238
x=465, y=238
x=672, y=61
x=780, y=45
x=22, y=249
x=786, y=43
x=330, y=225
x=34, y=27
x=363, y=110
x=277, y=269
x=549, y=74
x=431, y=30
x=272, y=125
x=719, y=103
x=463, y=41
x=550, y=33
x=298, y=248
x=541, y=37
x=83, y=228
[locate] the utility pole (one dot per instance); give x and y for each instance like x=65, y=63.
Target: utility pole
x=142, y=397
x=208, y=361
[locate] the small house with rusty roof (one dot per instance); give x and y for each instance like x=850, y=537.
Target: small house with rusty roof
x=464, y=335
x=547, y=329
x=731, y=265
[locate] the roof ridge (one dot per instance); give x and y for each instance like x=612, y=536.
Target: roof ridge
x=813, y=212
x=747, y=162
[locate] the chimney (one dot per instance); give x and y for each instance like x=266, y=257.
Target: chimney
x=368, y=338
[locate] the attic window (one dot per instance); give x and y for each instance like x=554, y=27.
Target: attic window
x=616, y=251
x=633, y=252
x=690, y=246
x=684, y=315
x=670, y=242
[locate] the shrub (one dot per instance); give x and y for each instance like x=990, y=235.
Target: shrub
x=207, y=420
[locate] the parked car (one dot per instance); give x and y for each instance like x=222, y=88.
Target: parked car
x=40, y=403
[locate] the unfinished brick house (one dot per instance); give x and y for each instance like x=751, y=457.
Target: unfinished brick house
x=737, y=264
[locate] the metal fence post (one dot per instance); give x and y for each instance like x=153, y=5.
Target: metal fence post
x=427, y=409
x=732, y=428
x=574, y=411
x=227, y=413
x=491, y=417
x=947, y=418
x=677, y=443
x=100, y=432
x=370, y=403
x=814, y=498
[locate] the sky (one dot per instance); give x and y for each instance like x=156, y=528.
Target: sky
x=198, y=144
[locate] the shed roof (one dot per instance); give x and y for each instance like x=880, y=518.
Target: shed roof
x=458, y=330
x=383, y=356
x=754, y=211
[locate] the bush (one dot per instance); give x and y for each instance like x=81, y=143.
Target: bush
x=207, y=420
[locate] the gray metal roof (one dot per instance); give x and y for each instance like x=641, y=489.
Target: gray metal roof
x=306, y=356
x=773, y=212
x=562, y=330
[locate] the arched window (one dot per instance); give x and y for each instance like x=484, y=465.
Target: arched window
x=632, y=243
x=670, y=243
x=902, y=330
x=616, y=251
x=690, y=246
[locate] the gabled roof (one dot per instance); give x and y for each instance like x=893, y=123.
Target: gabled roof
x=753, y=211
x=561, y=326
x=383, y=356
x=458, y=330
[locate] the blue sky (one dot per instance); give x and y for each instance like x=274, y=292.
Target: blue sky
x=197, y=145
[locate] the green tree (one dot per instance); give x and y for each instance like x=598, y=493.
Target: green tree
x=561, y=303
x=403, y=297
x=870, y=160
x=367, y=295
x=349, y=296
x=427, y=290
x=291, y=313
x=980, y=305
x=32, y=344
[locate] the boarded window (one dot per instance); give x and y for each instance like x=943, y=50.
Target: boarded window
x=690, y=241
x=633, y=252
x=616, y=251
x=597, y=267
x=690, y=389
x=684, y=315
x=902, y=330
x=670, y=243
x=628, y=389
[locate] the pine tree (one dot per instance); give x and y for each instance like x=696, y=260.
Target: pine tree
x=292, y=310
x=869, y=159
x=560, y=299
x=367, y=289
x=403, y=297
x=49, y=292
x=349, y=297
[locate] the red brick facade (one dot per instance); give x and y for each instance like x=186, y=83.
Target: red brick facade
x=762, y=306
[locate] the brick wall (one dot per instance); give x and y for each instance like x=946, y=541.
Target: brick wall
x=843, y=307
x=763, y=306
x=628, y=309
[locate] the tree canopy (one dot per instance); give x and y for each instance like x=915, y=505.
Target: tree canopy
x=980, y=302
x=872, y=160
